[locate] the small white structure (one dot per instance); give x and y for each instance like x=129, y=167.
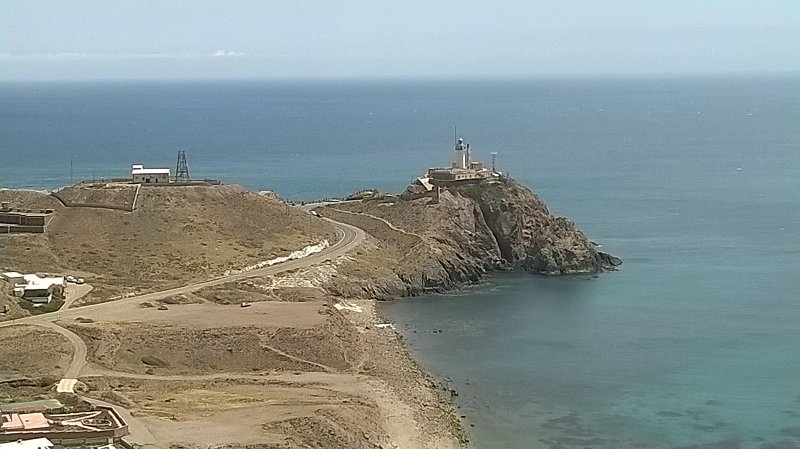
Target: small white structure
x=13, y=277
x=149, y=175
x=35, y=443
x=463, y=169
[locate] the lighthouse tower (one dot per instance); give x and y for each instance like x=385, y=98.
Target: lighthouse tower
x=462, y=154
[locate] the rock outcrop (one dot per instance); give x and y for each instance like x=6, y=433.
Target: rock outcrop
x=435, y=244
x=527, y=233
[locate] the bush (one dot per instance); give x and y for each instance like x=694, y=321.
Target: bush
x=154, y=361
x=52, y=306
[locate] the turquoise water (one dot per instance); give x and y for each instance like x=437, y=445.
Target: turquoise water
x=695, y=342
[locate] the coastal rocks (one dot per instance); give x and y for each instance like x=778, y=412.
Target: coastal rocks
x=423, y=246
x=609, y=259
x=527, y=235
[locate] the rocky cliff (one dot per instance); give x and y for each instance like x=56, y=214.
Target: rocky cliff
x=427, y=245
x=527, y=233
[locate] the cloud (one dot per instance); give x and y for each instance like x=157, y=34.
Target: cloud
x=220, y=53
x=90, y=56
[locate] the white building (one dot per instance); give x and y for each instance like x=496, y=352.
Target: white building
x=149, y=175
x=462, y=170
x=35, y=443
x=38, y=290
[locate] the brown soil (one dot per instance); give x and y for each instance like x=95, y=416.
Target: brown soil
x=337, y=383
x=114, y=195
x=175, y=236
x=17, y=343
x=10, y=303
x=232, y=349
x=289, y=371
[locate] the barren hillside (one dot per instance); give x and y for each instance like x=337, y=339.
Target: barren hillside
x=175, y=235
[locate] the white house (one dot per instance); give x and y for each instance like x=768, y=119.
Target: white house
x=149, y=175
x=39, y=290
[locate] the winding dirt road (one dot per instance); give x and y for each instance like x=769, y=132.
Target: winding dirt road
x=351, y=237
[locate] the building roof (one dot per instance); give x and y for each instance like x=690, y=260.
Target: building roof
x=34, y=282
x=34, y=421
x=11, y=422
x=150, y=171
x=12, y=275
x=35, y=443
x=24, y=421
x=425, y=181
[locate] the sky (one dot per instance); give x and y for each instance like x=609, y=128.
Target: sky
x=42, y=39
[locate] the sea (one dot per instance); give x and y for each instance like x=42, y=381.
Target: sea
x=693, y=181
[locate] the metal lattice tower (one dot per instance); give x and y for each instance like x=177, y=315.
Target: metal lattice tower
x=494, y=162
x=182, y=169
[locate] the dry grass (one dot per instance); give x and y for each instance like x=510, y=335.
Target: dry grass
x=19, y=342
x=175, y=236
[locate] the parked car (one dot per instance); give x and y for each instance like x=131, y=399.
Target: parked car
x=71, y=279
x=80, y=281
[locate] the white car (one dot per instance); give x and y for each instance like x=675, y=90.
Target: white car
x=80, y=281
x=71, y=278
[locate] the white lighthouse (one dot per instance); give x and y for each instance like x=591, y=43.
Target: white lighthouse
x=462, y=154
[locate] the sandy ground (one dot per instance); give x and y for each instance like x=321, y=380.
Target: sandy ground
x=290, y=371
x=340, y=383
x=208, y=316
x=294, y=378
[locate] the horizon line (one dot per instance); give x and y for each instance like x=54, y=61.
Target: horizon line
x=442, y=77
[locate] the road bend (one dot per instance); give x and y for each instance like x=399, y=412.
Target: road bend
x=351, y=237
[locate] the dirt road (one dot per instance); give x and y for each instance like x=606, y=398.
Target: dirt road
x=79, y=346
x=351, y=237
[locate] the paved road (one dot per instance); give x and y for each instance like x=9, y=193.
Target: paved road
x=351, y=237
x=79, y=354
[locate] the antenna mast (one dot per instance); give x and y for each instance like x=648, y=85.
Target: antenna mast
x=182, y=168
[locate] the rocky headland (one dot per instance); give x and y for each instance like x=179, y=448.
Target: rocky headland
x=199, y=354
x=438, y=242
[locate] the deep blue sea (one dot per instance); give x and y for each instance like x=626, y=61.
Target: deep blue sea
x=695, y=183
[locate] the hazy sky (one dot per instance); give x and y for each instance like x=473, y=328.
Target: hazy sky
x=341, y=38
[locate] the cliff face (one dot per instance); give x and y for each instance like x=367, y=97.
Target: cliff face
x=422, y=245
x=528, y=235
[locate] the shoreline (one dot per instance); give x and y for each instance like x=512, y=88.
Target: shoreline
x=395, y=258
x=396, y=385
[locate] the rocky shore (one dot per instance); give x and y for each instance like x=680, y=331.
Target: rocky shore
x=434, y=244
x=198, y=370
